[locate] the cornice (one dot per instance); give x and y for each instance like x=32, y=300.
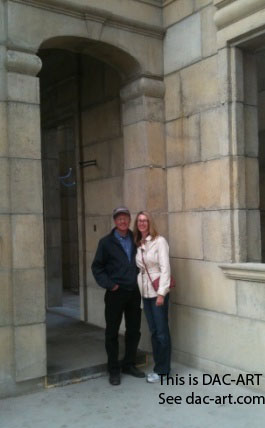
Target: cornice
x=253, y=272
x=229, y=13
x=70, y=8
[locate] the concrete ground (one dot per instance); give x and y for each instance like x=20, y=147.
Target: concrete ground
x=95, y=403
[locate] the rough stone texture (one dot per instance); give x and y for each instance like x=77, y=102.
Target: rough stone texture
x=250, y=300
x=183, y=140
x=30, y=352
x=29, y=297
x=254, y=236
x=5, y=242
x=185, y=235
x=143, y=108
x=3, y=129
x=217, y=243
x=27, y=242
x=202, y=284
x=173, y=102
x=252, y=182
x=26, y=186
x=6, y=300
x=6, y=354
x=182, y=44
x=200, y=86
x=175, y=11
x=209, y=32
x=174, y=189
x=206, y=185
x=214, y=133
x=4, y=186
x=205, y=334
x=23, y=88
x=144, y=144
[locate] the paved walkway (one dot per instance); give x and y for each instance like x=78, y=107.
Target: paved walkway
x=96, y=404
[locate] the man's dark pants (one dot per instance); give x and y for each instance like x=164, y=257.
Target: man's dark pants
x=116, y=303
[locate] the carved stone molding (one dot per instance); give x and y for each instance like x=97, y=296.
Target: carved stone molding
x=23, y=63
x=230, y=12
x=253, y=272
x=143, y=86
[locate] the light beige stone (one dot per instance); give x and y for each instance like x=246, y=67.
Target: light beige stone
x=214, y=133
x=252, y=183
x=202, y=284
x=217, y=238
x=144, y=144
x=251, y=130
x=161, y=221
x=29, y=296
x=3, y=129
x=26, y=186
x=239, y=219
x=106, y=195
x=182, y=44
x=6, y=310
x=202, y=3
x=96, y=228
x=185, y=235
x=174, y=189
x=238, y=182
x=200, y=85
x=232, y=341
x=24, y=134
x=23, y=88
x=237, y=74
x=173, y=101
x=6, y=353
x=142, y=108
x=183, y=140
x=95, y=306
x=206, y=185
x=253, y=236
x=5, y=242
x=101, y=153
x=4, y=185
x=209, y=31
x=224, y=75
x=237, y=128
x=250, y=300
x=27, y=241
x=175, y=11
x=2, y=22
x=30, y=352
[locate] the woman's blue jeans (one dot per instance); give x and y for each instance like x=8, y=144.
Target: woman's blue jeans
x=157, y=318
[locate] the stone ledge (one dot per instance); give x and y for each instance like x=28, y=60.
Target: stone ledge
x=253, y=272
x=235, y=11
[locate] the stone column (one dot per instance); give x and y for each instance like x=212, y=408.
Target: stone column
x=22, y=208
x=144, y=148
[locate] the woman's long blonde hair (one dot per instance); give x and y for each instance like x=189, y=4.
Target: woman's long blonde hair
x=152, y=228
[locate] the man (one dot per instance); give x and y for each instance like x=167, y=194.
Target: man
x=115, y=270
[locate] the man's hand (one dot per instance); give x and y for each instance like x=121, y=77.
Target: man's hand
x=159, y=300
x=116, y=286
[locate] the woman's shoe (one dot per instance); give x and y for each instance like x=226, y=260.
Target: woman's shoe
x=152, y=378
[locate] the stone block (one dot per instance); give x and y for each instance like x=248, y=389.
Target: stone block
x=224, y=75
x=161, y=221
x=5, y=242
x=101, y=153
x=203, y=285
x=2, y=22
x=27, y=241
x=217, y=239
x=116, y=157
x=173, y=103
x=174, y=189
x=252, y=182
x=185, y=235
x=23, y=88
x=4, y=185
x=251, y=130
x=239, y=219
x=111, y=188
x=53, y=234
x=182, y=44
x=3, y=129
x=96, y=228
x=237, y=74
x=6, y=354
x=209, y=31
x=175, y=11
x=30, y=352
x=214, y=133
x=24, y=134
x=228, y=340
x=6, y=304
x=96, y=306
x=200, y=86
x=183, y=140
x=206, y=185
x=261, y=111
x=250, y=300
x=101, y=122
x=29, y=296
x=26, y=186
x=250, y=78
x=50, y=149
x=142, y=108
x=253, y=236
x=144, y=144
x=201, y=3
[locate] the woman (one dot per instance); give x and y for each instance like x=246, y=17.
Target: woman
x=152, y=258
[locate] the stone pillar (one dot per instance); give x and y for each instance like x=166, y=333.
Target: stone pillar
x=144, y=148
x=21, y=203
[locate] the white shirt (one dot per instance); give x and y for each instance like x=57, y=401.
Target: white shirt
x=156, y=257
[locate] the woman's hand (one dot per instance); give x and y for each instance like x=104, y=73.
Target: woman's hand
x=159, y=300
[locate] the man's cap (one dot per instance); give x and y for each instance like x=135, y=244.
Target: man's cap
x=121, y=210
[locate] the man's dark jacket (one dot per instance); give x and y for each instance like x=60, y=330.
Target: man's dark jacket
x=111, y=265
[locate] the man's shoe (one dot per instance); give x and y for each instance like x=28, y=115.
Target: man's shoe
x=114, y=379
x=152, y=378
x=133, y=371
